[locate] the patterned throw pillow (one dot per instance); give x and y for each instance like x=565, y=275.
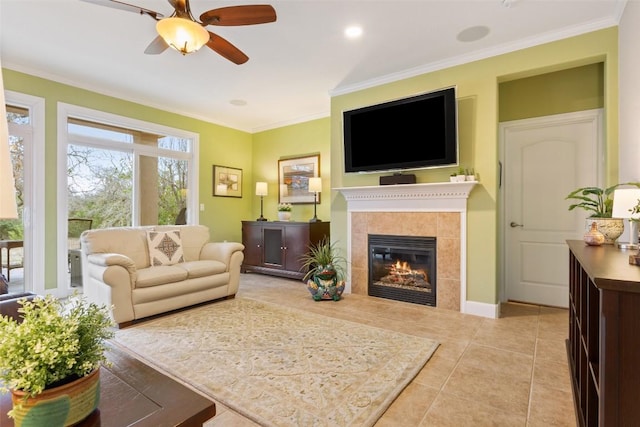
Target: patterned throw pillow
x=165, y=247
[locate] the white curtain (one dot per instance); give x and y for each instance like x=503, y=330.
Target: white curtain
x=8, y=208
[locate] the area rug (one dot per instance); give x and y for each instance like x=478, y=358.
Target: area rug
x=281, y=366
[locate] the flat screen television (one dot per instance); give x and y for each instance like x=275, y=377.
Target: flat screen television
x=410, y=133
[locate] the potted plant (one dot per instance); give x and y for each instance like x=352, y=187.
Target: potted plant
x=470, y=175
x=459, y=175
x=598, y=203
x=325, y=271
x=284, y=211
x=50, y=359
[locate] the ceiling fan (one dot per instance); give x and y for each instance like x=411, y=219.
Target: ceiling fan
x=184, y=33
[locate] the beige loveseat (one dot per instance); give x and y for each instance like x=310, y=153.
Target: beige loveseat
x=118, y=273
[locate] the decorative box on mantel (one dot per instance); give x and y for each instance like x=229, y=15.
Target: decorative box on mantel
x=427, y=198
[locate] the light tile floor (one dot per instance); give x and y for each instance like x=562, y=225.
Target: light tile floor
x=510, y=371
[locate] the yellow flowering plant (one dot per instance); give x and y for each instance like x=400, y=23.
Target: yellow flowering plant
x=55, y=343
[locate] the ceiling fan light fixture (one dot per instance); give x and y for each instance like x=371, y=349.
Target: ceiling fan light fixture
x=182, y=34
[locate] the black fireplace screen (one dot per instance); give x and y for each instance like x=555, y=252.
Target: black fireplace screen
x=403, y=268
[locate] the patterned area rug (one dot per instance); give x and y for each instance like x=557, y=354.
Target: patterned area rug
x=280, y=366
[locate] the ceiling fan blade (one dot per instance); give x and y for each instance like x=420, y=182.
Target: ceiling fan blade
x=226, y=49
x=157, y=46
x=128, y=7
x=239, y=15
x=181, y=6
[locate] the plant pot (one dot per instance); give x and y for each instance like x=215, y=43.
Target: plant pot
x=611, y=228
x=64, y=405
x=325, y=285
x=284, y=216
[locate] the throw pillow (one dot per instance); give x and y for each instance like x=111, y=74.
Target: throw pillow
x=165, y=247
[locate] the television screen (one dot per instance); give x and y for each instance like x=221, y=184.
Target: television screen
x=410, y=133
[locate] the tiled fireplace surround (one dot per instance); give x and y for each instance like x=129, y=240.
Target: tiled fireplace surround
x=431, y=210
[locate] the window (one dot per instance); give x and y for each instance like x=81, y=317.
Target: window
x=123, y=172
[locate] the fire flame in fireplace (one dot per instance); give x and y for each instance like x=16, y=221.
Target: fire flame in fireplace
x=401, y=273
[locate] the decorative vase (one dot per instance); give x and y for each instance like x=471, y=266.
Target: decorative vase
x=612, y=228
x=64, y=405
x=284, y=215
x=594, y=237
x=325, y=285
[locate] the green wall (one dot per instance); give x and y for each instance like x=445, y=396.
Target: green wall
x=478, y=106
x=218, y=145
x=566, y=91
x=299, y=140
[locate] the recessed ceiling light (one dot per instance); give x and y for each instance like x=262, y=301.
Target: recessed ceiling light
x=472, y=34
x=353, y=32
x=238, y=102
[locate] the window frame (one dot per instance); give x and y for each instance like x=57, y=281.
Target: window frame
x=66, y=111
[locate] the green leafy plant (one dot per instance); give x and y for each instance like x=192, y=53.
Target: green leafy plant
x=56, y=342
x=284, y=207
x=321, y=256
x=595, y=200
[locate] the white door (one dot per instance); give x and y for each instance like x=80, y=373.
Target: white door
x=544, y=159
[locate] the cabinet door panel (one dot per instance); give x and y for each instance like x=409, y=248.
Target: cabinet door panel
x=273, y=246
x=297, y=244
x=252, y=240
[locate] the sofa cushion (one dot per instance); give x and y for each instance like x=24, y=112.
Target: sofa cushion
x=202, y=268
x=193, y=238
x=128, y=241
x=165, y=247
x=160, y=275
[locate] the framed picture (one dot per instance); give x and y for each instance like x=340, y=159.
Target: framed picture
x=227, y=182
x=293, y=179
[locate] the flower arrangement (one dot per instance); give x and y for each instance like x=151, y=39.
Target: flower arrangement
x=55, y=343
x=284, y=207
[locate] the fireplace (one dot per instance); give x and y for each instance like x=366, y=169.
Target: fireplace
x=403, y=268
x=426, y=209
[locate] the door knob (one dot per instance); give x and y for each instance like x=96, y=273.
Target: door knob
x=515, y=224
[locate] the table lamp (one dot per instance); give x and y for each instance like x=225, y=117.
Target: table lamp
x=315, y=187
x=261, y=190
x=624, y=200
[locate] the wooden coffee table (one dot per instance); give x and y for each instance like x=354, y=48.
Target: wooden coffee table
x=133, y=393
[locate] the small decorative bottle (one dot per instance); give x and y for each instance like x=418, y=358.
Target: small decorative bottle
x=594, y=237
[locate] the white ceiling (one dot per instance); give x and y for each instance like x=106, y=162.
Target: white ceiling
x=295, y=64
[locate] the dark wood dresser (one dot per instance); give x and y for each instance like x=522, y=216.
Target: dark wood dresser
x=275, y=247
x=604, y=335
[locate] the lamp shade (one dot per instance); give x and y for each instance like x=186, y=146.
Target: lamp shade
x=624, y=200
x=184, y=35
x=8, y=207
x=261, y=188
x=315, y=185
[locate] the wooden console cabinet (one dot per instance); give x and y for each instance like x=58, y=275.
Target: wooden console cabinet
x=604, y=335
x=276, y=247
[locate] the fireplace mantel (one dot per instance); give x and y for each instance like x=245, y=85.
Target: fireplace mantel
x=440, y=196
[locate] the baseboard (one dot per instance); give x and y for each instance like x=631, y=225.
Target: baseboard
x=483, y=309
